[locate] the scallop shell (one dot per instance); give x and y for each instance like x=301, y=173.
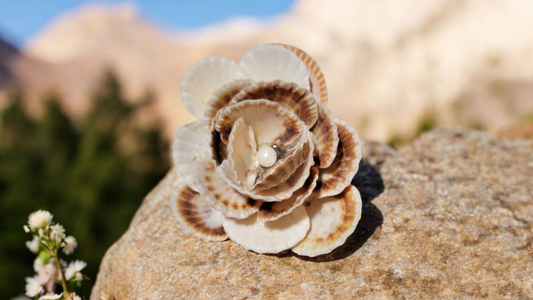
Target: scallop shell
x=222, y=98
x=270, y=211
x=340, y=173
x=270, y=62
x=284, y=167
x=325, y=136
x=316, y=77
x=333, y=220
x=289, y=95
x=273, y=125
x=242, y=154
x=269, y=237
x=220, y=195
x=277, y=193
x=192, y=143
x=203, y=79
x=196, y=215
x=219, y=150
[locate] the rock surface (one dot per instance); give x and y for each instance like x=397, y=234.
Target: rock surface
x=449, y=216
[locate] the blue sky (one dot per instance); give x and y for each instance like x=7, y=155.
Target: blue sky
x=20, y=20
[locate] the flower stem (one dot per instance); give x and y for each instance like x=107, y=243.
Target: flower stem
x=64, y=283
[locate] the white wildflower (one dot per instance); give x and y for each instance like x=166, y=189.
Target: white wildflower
x=48, y=273
x=74, y=297
x=57, y=232
x=40, y=219
x=50, y=297
x=33, y=286
x=74, y=268
x=33, y=245
x=70, y=245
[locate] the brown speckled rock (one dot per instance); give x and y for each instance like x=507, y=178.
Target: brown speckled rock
x=450, y=216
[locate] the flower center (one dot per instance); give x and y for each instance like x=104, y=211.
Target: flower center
x=266, y=156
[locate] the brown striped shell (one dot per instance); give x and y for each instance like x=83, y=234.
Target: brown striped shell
x=249, y=163
x=289, y=95
x=316, y=77
x=222, y=98
x=325, y=136
x=270, y=211
x=333, y=219
x=332, y=180
x=196, y=215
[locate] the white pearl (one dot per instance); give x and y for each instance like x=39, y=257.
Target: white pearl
x=266, y=156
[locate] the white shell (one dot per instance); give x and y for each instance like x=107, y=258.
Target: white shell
x=333, y=220
x=325, y=136
x=190, y=145
x=203, y=79
x=271, y=62
x=270, y=211
x=222, y=98
x=269, y=237
x=316, y=77
x=275, y=194
x=340, y=173
x=290, y=96
x=272, y=124
x=286, y=165
x=195, y=214
x=242, y=154
x=220, y=195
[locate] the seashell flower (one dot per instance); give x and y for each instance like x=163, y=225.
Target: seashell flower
x=266, y=164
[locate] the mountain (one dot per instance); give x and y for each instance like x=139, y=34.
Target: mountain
x=389, y=65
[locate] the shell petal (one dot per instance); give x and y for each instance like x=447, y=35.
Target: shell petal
x=275, y=194
x=289, y=95
x=340, y=173
x=270, y=62
x=270, y=211
x=196, y=215
x=269, y=237
x=316, y=77
x=219, y=150
x=222, y=98
x=221, y=196
x=284, y=167
x=273, y=125
x=325, y=136
x=333, y=220
x=192, y=143
x=203, y=79
x=242, y=154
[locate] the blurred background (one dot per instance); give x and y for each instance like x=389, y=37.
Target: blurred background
x=89, y=91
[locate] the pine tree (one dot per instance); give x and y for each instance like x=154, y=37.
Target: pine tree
x=92, y=176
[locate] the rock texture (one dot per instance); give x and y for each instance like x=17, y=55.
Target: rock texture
x=449, y=216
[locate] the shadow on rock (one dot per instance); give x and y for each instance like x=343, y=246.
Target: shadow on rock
x=370, y=185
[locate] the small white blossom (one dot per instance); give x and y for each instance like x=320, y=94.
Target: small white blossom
x=57, y=232
x=33, y=245
x=74, y=268
x=70, y=245
x=33, y=286
x=26, y=228
x=40, y=219
x=74, y=297
x=48, y=273
x=50, y=297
